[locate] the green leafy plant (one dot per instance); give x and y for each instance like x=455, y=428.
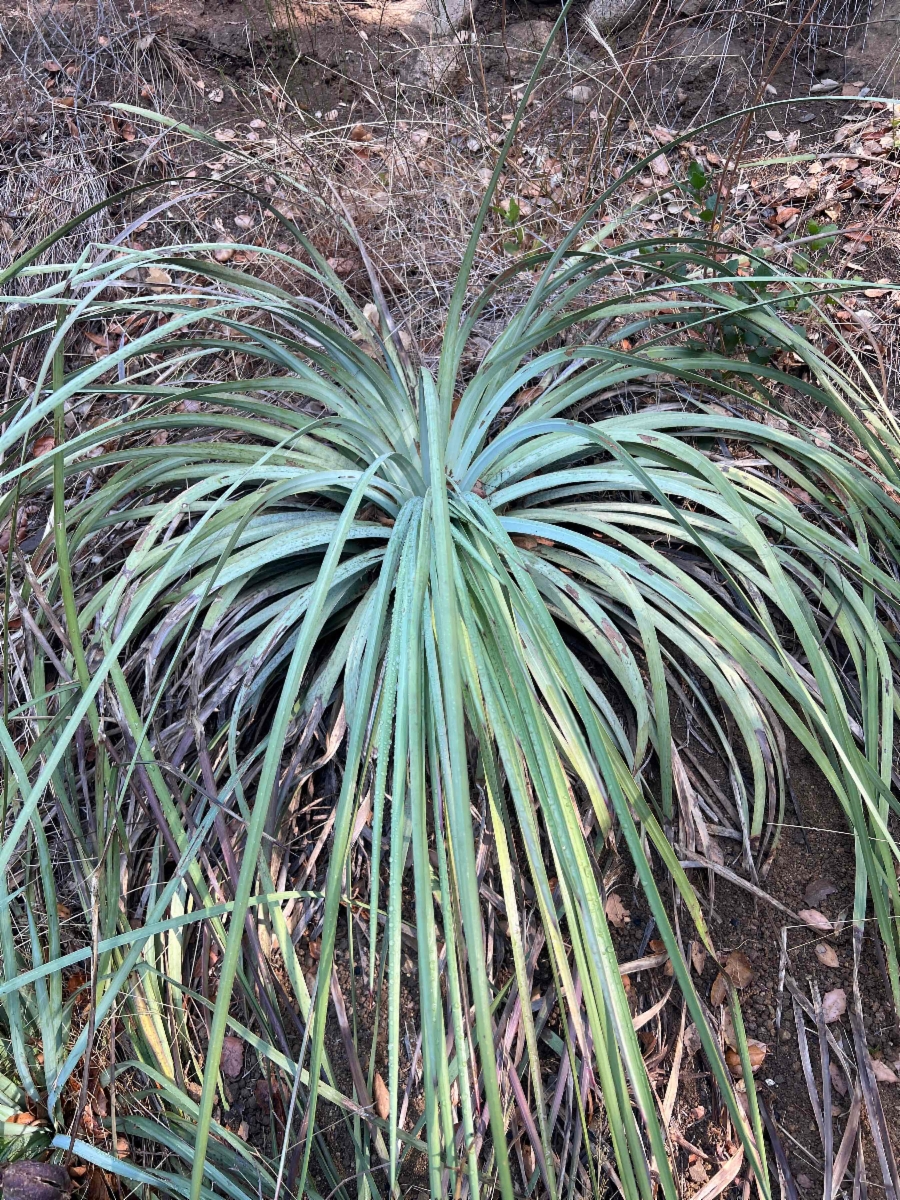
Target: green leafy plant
x=697, y=187
x=482, y=592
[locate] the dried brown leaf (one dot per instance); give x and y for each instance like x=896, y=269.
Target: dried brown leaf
x=756, y=1052
x=698, y=957
x=815, y=919
x=882, y=1072
x=692, y=1041
x=834, y=1005
x=232, y=1056
x=827, y=956
x=616, y=912
x=817, y=890
x=719, y=991
x=738, y=968
x=838, y=1082
x=382, y=1098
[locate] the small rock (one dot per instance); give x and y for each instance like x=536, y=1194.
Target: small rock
x=609, y=15
x=426, y=17
x=432, y=66
x=517, y=49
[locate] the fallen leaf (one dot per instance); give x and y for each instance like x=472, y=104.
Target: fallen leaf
x=838, y=1082
x=344, y=266
x=719, y=992
x=834, y=1005
x=616, y=912
x=523, y=399
x=692, y=1041
x=359, y=133
x=792, y=141
x=157, y=277
x=738, y=968
x=217, y=95
x=22, y=525
x=698, y=957
x=698, y=1172
x=42, y=446
x=225, y=135
x=756, y=1052
x=815, y=919
x=774, y=136
x=876, y=293
x=382, y=1098
x=660, y=166
x=826, y=956
x=232, y=1056
x=658, y=946
x=784, y=214
x=817, y=890
x=223, y=254
x=883, y=1072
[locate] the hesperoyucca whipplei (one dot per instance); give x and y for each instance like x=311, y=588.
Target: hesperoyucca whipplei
x=483, y=591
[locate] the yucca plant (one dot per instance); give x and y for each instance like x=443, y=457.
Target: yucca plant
x=481, y=591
